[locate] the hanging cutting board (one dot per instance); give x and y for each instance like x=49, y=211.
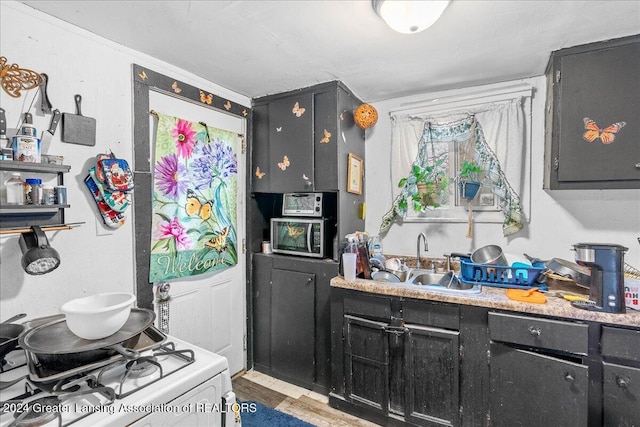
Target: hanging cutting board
x=78, y=129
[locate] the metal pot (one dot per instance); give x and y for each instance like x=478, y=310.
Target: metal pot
x=490, y=254
x=53, y=344
x=9, y=333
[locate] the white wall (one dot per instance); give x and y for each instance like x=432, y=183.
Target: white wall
x=558, y=218
x=94, y=259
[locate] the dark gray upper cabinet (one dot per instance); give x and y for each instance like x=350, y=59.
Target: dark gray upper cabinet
x=302, y=139
x=593, y=116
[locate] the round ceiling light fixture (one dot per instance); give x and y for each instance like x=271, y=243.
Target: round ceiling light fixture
x=365, y=116
x=410, y=16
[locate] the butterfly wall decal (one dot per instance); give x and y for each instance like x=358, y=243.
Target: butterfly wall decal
x=175, y=87
x=195, y=207
x=219, y=242
x=245, y=113
x=279, y=129
x=16, y=79
x=259, y=173
x=297, y=110
x=284, y=164
x=227, y=106
x=606, y=135
x=143, y=75
x=327, y=137
x=207, y=99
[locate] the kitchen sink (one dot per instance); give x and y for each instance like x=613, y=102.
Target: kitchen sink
x=429, y=281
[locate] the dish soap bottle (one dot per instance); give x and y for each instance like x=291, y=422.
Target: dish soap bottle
x=375, y=246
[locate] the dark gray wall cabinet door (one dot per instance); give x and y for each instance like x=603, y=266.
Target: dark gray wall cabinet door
x=596, y=116
x=291, y=143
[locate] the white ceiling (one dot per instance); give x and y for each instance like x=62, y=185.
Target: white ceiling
x=257, y=48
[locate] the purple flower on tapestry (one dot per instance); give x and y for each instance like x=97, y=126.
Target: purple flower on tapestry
x=170, y=176
x=185, y=138
x=173, y=229
x=217, y=161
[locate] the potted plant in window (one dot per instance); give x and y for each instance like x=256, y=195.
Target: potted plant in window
x=469, y=179
x=423, y=186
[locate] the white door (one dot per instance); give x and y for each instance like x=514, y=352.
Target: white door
x=209, y=310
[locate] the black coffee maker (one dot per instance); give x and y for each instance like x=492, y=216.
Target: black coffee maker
x=606, y=289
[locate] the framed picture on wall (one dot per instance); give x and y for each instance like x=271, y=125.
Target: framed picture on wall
x=354, y=174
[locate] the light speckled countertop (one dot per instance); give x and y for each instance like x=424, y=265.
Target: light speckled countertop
x=490, y=297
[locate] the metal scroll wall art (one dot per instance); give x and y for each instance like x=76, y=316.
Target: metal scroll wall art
x=16, y=79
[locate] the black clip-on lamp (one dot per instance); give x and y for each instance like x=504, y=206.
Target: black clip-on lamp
x=37, y=256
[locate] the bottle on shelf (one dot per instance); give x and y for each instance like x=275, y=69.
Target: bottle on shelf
x=14, y=190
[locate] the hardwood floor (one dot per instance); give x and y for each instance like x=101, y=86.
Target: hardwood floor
x=301, y=403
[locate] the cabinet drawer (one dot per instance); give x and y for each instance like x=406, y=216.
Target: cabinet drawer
x=622, y=343
x=431, y=314
x=544, y=333
x=368, y=306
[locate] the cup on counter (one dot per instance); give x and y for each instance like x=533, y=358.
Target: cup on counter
x=349, y=266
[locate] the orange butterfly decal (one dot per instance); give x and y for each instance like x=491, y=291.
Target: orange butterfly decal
x=279, y=129
x=259, y=173
x=207, y=99
x=244, y=112
x=606, y=135
x=285, y=163
x=327, y=136
x=195, y=207
x=297, y=110
x=175, y=87
x=143, y=75
x=227, y=106
x=219, y=242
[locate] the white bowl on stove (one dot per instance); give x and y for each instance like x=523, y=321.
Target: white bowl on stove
x=98, y=316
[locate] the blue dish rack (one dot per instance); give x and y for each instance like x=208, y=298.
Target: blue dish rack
x=501, y=276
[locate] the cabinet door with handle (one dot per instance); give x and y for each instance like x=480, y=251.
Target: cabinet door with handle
x=534, y=389
x=621, y=393
x=432, y=376
x=291, y=143
x=292, y=326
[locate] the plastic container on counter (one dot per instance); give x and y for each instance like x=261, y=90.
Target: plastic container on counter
x=48, y=195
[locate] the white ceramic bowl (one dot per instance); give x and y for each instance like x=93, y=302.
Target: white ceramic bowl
x=98, y=316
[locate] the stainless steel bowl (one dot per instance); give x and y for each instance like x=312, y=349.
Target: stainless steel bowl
x=385, y=276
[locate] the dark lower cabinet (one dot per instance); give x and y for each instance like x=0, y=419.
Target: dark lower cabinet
x=620, y=350
x=532, y=389
x=432, y=376
x=396, y=361
x=367, y=363
x=292, y=325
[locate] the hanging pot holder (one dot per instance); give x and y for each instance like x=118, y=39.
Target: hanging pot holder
x=99, y=175
x=117, y=174
x=116, y=200
x=111, y=218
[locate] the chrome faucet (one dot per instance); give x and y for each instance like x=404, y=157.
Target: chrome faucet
x=426, y=247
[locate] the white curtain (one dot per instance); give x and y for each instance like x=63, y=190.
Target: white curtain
x=503, y=125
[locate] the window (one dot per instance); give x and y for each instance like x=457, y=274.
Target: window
x=446, y=136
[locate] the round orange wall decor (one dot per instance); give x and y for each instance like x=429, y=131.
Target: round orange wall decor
x=365, y=116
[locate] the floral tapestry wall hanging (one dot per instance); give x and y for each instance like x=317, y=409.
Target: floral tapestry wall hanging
x=193, y=227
